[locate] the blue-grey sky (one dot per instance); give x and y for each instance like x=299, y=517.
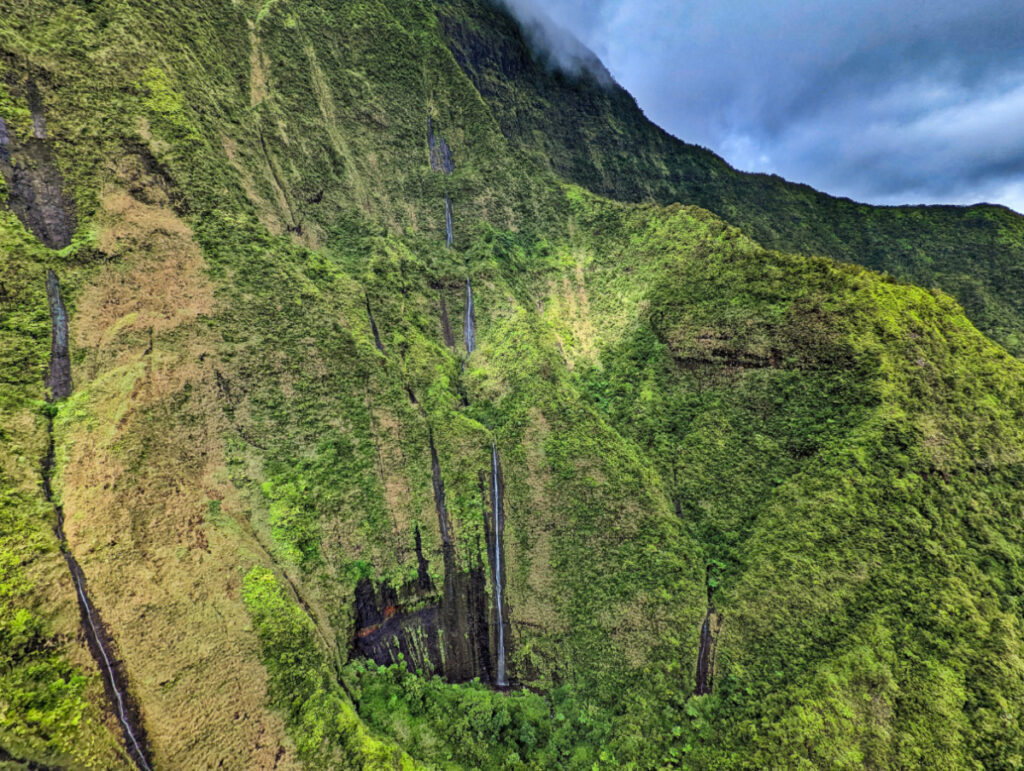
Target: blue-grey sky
x=884, y=101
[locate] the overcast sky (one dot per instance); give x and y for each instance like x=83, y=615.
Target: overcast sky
x=884, y=101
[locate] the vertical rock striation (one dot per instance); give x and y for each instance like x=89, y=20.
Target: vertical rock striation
x=705, y=657
x=373, y=327
x=445, y=634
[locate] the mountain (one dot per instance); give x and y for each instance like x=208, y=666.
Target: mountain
x=974, y=253
x=375, y=396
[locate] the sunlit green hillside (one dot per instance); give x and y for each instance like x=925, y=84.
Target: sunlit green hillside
x=743, y=508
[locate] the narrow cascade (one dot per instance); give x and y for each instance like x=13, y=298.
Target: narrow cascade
x=373, y=326
x=59, y=379
x=440, y=153
x=704, y=657
x=499, y=516
x=59, y=383
x=448, y=226
x=469, y=326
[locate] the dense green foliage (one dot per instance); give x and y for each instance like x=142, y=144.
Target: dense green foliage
x=830, y=460
x=44, y=698
x=973, y=253
x=327, y=731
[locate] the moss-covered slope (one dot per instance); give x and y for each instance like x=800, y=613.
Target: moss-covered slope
x=974, y=253
x=277, y=465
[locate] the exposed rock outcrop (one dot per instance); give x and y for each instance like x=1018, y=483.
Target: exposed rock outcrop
x=35, y=186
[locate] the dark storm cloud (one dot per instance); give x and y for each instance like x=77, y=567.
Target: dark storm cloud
x=884, y=101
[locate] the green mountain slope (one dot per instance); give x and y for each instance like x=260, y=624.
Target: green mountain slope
x=974, y=253
x=742, y=508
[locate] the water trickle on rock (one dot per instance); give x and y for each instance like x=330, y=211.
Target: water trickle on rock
x=500, y=678
x=469, y=326
x=440, y=153
x=59, y=379
x=448, y=226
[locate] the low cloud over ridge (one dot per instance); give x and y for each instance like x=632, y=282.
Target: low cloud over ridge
x=916, y=102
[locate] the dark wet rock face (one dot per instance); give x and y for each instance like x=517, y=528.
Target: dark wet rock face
x=440, y=154
x=446, y=633
x=35, y=188
x=706, y=654
x=497, y=554
x=422, y=566
x=59, y=379
x=373, y=327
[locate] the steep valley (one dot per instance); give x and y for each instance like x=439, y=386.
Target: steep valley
x=406, y=403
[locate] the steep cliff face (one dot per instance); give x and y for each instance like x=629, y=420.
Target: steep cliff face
x=974, y=253
x=379, y=445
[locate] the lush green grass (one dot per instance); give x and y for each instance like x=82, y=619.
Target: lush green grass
x=844, y=451
x=45, y=709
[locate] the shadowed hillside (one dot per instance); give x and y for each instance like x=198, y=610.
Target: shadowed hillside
x=340, y=430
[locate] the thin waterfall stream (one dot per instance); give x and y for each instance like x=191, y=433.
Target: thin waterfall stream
x=449, y=227
x=469, y=326
x=500, y=678
x=60, y=385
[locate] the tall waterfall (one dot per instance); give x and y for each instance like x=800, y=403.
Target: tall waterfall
x=93, y=627
x=59, y=379
x=59, y=383
x=500, y=680
x=448, y=227
x=469, y=327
